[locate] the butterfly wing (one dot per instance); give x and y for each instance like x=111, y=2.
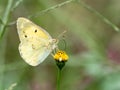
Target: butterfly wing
x=27, y=28
x=33, y=42
x=33, y=56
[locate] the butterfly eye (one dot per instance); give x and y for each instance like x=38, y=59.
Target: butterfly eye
x=35, y=30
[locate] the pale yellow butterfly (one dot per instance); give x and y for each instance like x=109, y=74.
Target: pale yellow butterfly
x=35, y=43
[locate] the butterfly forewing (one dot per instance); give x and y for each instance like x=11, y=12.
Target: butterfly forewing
x=26, y=28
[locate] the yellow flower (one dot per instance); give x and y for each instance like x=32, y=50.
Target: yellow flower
x=61, y=56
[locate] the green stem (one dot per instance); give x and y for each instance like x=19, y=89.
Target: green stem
x=16, y=4
x=99, y=15
x=51, y=8
x=3, y=42
x=84, y=5
x=46, y=10
x=5, y=17
x=58, y=79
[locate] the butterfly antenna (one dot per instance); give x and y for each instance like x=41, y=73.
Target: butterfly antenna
x=61, y=34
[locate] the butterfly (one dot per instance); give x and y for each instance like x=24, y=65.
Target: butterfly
x=35, y=42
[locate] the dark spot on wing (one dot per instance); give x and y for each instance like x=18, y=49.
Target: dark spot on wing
x=25, y=36
x=35, y=30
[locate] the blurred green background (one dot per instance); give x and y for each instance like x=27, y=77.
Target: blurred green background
x=92, y=45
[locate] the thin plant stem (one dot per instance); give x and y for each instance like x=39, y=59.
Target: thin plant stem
x=99, y=15
x=45, y=10
x=11, y=86
x=2, y=45
x=58, y=79
x=51, y=8
x=107, y=21
x=16, y=4
x=6, y=17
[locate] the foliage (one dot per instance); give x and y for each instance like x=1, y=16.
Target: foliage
x=92, y=43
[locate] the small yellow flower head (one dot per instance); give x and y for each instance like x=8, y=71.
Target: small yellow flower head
x=61, y=57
